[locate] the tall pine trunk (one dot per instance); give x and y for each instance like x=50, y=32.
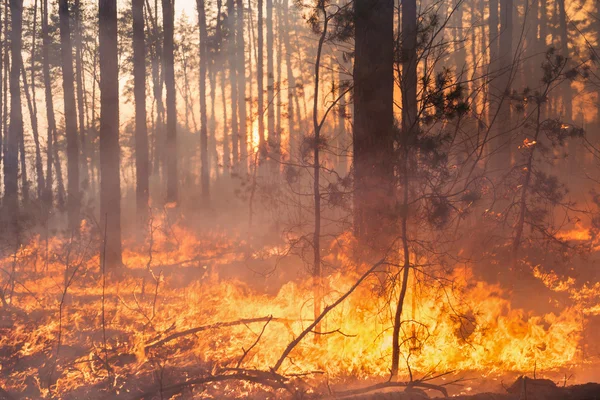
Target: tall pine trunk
x=66, y=50
x=110, y=187
x=232, y=57
x=15, y=128
x=168, y=54
x=205, y=166
x=80, y=79
x=274, y=141
x=262, y=145
x=374, y=116
x=241, y=80
x=142, y=163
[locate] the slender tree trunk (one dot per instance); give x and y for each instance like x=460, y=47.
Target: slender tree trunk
x=226, y=148
x=277, y=101
x=205, y=166
x=274, y=140
x=142, y=163
x=493, y=22
x=79, y=77
x=51, y=133
x=110, y=187
x=39, y=168
x=73, y=200
x=23, y=162
x=262, y=145
x=291, y=81
x=241, y=79
x=409, y=126
x=567, y=92
x=172, y=175
x=15, y=129
x=232, y=50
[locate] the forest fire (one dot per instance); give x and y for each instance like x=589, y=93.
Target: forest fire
x=299, y=199
x=72, y=335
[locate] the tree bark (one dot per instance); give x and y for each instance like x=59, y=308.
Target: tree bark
x=374, y=116
x=15, y=128
x=66, y=50
x=80, y=79
x=39, y=167
x=232, y=53
x=262, y=145
x=168, y=49
x=241, y=79
x=142, y=163
x=110, y=188
x=205, y=166
x=274, y=140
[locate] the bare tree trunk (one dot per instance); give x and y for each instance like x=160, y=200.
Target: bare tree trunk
x=142, y=163
x=73, y=200
x=291, y=81
x=233, y=83
x=262, y=145
x=241, y=79
x=110, y=187
x=39, y=167
x=23, y=162
x=274, y=140
x=79, y=77
x=172, y=175
x=409, y=127
x=51, y=134
x=567, y=92
x=205, y=166
x=15, y=129
x=374, y=116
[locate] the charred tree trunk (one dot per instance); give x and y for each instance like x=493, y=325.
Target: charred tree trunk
x=66, y=50
x=142, y=163
x=110, y=187
x=274, y=140
x=374, y=116
x=410, y=125
x=39, y=168
x=232, y=56
x=205, y=166
x=51, y=134
x=79, y=78
x=241, y=80
x=262, y=145
x=172, y=175
x=291, y=81
x=15, y=128
x=33, y=112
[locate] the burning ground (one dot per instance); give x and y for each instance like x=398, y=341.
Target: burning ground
x=209, y=315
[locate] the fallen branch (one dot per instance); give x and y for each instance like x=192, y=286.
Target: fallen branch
x=261, y=380
x=217, y=325
x=387, y=385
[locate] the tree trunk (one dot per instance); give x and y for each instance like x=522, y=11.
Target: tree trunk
x=241, y=79
x=232, y=53
x=262, y=145
x=291, y=90
x=66, y=50
x=110, y=188
x=172, y=175
x=15, y=128
x=274, y=140
x=142, y=163
x=39, y=167
x=374, y=115
x=205, y=166
x=79, y=78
